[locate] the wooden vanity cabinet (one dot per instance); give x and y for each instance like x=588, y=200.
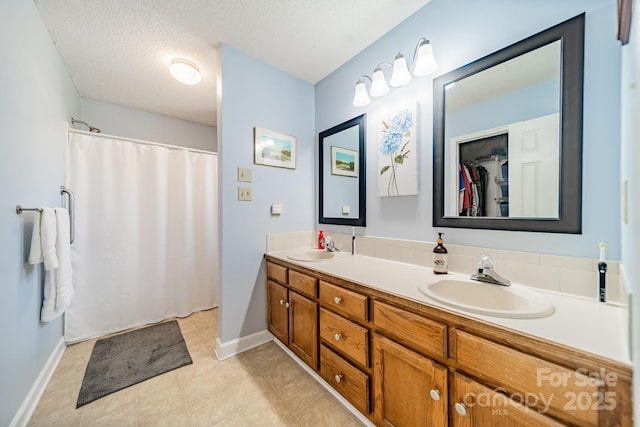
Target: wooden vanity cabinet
x=291, y=316
x=474, y=404
x=345, y=344
x=278, y=311
x=402, y=363
x=409, y=388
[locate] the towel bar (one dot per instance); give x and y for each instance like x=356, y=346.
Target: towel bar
x=70, y=207
x=20, y=209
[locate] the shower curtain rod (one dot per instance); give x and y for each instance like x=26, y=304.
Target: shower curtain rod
x=140, y=141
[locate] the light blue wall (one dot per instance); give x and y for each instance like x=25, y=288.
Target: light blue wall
x=36, y=98
x=462, y=31
x=340, y=190
x=630, y=173
x=257, y=95
x=524, y=104
x=131, y=123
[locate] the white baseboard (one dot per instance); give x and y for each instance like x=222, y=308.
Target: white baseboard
x=231, y=348
x=30, y=402
x=364, y=420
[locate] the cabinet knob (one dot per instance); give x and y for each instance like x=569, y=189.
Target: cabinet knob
x=338, y=378
x=435, y=395
x=287, y=304
x=460, y=409
x=281, y=302
x=337, y=300
x=337, y=337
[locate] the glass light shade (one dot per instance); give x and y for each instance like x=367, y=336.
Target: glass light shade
x=401, y=75
x=425, y=61
x=185, y=72
x=379, y=84
x=361, y=97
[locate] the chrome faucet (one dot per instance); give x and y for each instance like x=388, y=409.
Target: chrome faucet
x=487, y=274
x=330, y=245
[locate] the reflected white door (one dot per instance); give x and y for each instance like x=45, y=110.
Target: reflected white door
x=534, y=154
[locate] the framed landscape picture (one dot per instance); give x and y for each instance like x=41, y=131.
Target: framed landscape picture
x=274, y=149
x=344, y=162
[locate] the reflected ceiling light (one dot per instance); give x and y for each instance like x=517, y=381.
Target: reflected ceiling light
x=185, y=72
x=424, y=63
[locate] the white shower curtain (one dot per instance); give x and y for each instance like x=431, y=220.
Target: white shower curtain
x=145, y=234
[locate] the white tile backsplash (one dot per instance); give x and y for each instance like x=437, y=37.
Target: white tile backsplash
x=573, y=275
x=514, y=271
x=543, y=276
x=579, y=282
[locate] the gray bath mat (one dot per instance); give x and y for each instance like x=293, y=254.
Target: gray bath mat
x=126, y=359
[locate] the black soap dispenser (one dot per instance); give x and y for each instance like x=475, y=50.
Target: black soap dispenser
x=440, y=257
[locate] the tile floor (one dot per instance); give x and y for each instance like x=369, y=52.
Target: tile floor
x=261, y=387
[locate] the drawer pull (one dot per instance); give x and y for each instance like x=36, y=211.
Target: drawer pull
x=435, y=395
x=460, y=409
x=337, y=300
x=337, y=337
x=338, y=378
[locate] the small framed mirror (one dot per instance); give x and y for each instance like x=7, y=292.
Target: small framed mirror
x=342, y=195
x=508, y=137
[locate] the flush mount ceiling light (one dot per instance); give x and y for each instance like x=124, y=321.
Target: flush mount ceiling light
x=185, y=72
x=424, y=63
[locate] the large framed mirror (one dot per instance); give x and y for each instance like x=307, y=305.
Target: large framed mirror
x=342, y=194
x=508, y=137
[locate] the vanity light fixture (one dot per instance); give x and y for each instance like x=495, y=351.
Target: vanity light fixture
x=361, y=98
x=401, y=75
x=379, y=86
x=185, y=72
x=424, y=63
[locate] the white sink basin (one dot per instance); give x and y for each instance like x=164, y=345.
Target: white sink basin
x=488, y=299
x=312, y=255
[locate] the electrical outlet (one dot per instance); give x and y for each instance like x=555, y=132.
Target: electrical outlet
x=244, y=175
x=245, y=194
x=346, y=209
x=276, y=209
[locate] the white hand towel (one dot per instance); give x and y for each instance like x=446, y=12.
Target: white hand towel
x=63, y=251
x=43, y=240
x=35, y=254
x=58, y=288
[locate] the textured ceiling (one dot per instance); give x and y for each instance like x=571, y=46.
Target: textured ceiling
x=118, y=51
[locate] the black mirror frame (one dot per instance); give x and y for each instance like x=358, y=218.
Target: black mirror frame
x=361, y=221
x=571, y=34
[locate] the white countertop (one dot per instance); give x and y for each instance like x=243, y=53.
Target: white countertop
x=576, y=322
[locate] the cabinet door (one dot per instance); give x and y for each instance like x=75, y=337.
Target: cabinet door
x=476, y=405
x=410, y=389
x=303, y=328
x=277, y=313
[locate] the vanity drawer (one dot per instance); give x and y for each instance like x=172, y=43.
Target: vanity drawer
x=347, y=337
x=531, y=376
x=303, y=283
x=277, y=272
x=425, y=335
x=343, y=301
x=348, y=380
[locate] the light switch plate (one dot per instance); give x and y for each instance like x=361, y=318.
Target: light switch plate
x=276, y=209
x=244, y=175
x=245, y=194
